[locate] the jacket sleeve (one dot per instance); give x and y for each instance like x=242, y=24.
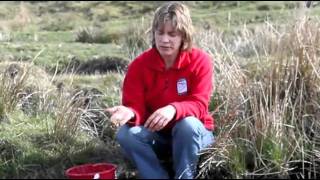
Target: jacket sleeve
x=133, y=94
x=197, y=101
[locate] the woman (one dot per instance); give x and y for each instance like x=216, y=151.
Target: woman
x=166, y=93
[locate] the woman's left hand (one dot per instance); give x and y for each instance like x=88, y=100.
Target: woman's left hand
x=160, y=118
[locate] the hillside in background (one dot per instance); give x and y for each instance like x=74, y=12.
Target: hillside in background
x=87, y=30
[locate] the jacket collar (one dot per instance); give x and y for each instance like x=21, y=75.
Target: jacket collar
x=156, y=61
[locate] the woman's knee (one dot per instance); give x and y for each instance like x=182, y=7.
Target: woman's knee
x=127, y=135
x=122, y=134
x=188, y=126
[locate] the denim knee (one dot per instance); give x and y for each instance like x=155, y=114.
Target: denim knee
x=188, y=127
x=128, y=135
x=122, y=134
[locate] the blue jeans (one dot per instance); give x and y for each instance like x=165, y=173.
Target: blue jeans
x=186, y=139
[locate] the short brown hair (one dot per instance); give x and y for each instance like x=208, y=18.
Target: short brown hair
x=179, y=15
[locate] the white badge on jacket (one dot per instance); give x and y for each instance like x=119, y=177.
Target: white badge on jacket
x=182, y=87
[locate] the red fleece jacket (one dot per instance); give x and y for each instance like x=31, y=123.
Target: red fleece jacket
x=187, y=86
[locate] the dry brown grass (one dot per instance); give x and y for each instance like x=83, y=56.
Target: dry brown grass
x=270, y=114
x=21, y=20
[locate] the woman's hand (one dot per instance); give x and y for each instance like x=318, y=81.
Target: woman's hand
x=120, y=115
x=160, y=118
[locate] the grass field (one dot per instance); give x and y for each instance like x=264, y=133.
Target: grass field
x=266, y=85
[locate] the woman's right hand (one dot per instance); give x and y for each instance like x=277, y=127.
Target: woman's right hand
x=120, y=115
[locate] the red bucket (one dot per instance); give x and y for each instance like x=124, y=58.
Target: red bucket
x=92, y=171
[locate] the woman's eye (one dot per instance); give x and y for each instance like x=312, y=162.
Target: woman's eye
x=173, y=34
x=159, y=32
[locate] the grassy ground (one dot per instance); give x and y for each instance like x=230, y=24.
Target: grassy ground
x=30, y=26
x=37, y=139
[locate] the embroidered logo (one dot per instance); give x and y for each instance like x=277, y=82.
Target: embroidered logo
x=182, y=87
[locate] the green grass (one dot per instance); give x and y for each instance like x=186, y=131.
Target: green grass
x=227, y=18
x=56, y=52
x=114, y=18
x=108, y=84
x=28, y=148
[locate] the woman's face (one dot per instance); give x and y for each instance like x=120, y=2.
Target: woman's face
x=168, y=40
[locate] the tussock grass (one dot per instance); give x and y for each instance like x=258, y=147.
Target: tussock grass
x=265, y=101
x=267, y=120
x=15, y=78
x=137, y=38
x=95, y=35
x=68, y=126
x=21, y=20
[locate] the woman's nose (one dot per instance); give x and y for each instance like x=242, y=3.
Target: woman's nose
x=165, y=38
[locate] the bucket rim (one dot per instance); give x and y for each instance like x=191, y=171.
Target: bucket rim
x=69, y=173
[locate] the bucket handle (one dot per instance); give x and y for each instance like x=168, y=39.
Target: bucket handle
x=96, y=176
